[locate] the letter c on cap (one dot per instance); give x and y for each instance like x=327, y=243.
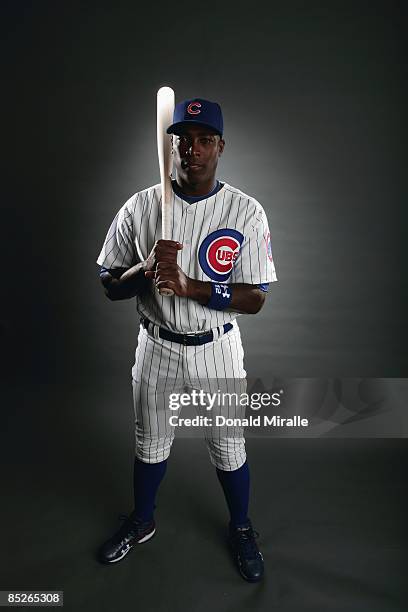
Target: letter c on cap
x=191, y=110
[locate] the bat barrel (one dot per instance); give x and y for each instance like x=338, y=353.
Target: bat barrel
x=165, y=109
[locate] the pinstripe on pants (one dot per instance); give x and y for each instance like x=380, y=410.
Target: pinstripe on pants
x=162, y=367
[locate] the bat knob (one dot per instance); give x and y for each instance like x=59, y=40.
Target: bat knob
x=167, y=292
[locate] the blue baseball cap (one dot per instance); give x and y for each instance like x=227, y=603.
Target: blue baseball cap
x=197, y=110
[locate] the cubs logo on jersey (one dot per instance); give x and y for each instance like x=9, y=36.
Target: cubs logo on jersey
x=218, y=253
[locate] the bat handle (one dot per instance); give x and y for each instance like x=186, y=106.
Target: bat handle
x=166, y=291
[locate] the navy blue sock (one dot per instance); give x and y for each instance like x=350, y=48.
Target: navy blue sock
x=146, y=480
x=235, y=485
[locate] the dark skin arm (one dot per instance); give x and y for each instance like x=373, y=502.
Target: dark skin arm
x=161, y=266
x=246, y=299
x=133, y=281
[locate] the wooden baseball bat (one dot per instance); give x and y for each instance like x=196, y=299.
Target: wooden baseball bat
x=165, y=109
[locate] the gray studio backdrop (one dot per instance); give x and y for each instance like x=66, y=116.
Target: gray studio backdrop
x=314, y=102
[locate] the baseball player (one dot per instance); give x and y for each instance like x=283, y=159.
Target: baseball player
x=219, y=265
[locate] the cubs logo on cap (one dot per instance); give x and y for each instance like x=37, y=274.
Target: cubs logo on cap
x=194, y=108
x=218, y=253
x=197, y=111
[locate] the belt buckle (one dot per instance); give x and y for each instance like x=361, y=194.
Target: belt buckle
x=193, y=335
x=188, y=335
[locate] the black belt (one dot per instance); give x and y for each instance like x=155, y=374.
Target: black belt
x=187, y=339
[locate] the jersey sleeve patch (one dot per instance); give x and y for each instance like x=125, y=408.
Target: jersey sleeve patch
x=269, y=246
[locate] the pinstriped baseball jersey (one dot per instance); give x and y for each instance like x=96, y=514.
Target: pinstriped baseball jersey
x=225, y=239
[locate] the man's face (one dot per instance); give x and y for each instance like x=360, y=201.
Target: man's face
x=196, y=150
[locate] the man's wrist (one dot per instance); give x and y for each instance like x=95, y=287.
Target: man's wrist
x=221, y=296
x=200, y=291
x=145, y=265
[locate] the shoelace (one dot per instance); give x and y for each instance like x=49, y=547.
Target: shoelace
x=246, y=542
x=128, y=528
